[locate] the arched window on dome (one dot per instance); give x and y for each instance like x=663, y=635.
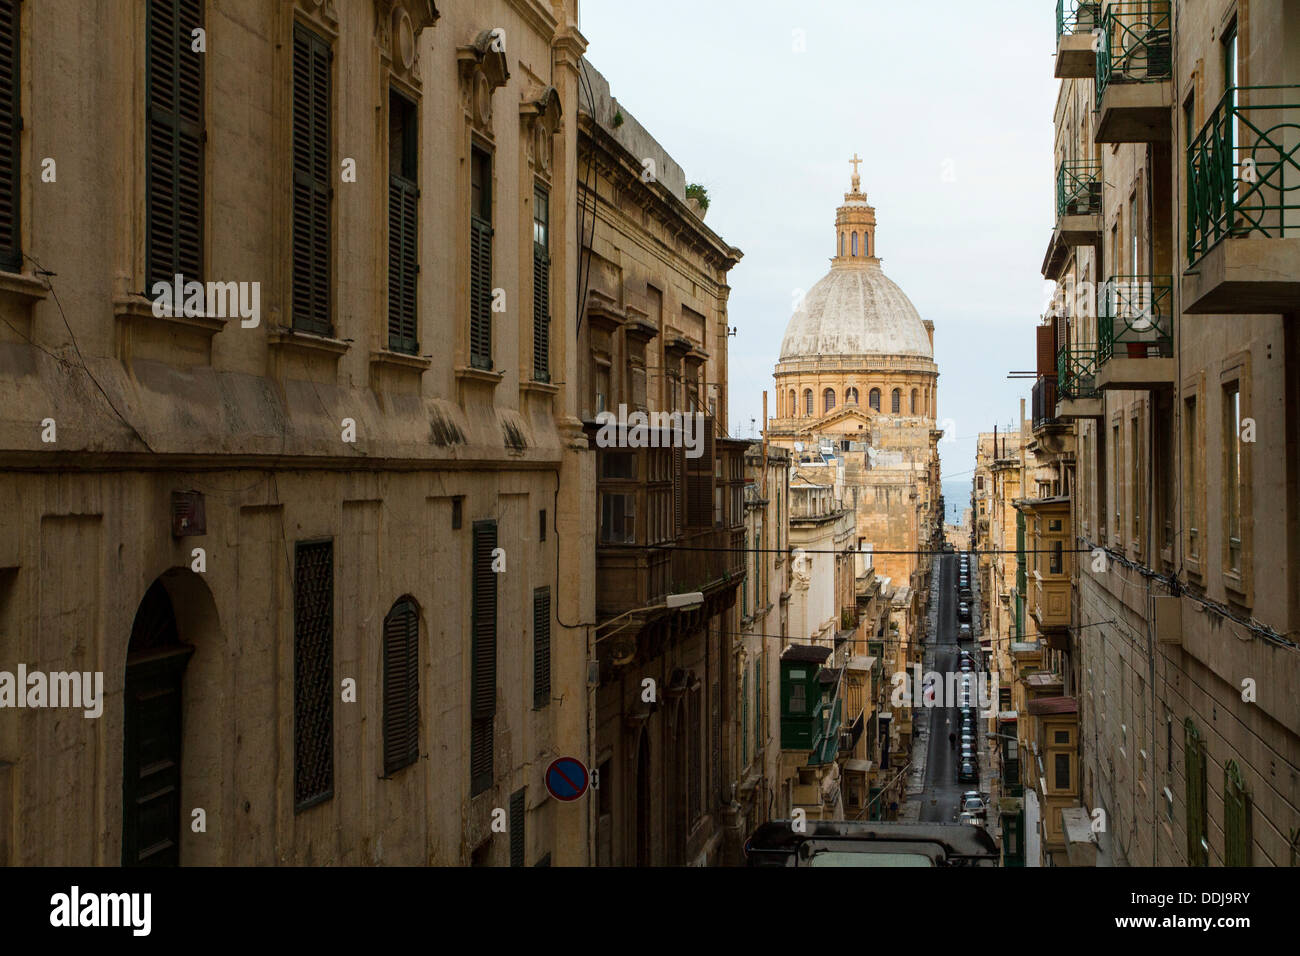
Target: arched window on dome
x=807, y=401
x=855, y=243
x=914, y=407
x=851, y=396
x=828, y=400
x=792, y=410
x=866, y=243
x=896, y=402
x=873, y=398
x=841, y=245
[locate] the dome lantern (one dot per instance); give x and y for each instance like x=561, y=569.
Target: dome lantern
x=855, y=226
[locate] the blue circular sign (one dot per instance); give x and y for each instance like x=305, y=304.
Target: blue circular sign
x=566, y=778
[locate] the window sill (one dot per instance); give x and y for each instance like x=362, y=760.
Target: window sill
x=22, y=289
x=136, y=308
x=467, y=373
x=539, y=388
x=402, y=360
x=292, y=340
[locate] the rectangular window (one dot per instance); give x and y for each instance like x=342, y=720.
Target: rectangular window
x=1099, y=504
x=313, y=673
x=480, y=259
x=541, y=648
x=518, y=810
x=174, y=145
x=1168, y=468
x=483, y=657
x=541, y=526
x=617, y=519
x=1062, y=771
x=1058, y=558
x=312, y=193
x=1192, y=478
x=403, y=223
x=401, y=687
x=618, y=465
x=541, y=285
x=11, y=123
x=1232, y=474
x=1135, y=481
x=1116, y=489
x=695, y=759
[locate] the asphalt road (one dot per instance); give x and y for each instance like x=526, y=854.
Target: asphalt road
x=942, y=793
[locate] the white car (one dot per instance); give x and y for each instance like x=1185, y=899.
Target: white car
x=975, y=806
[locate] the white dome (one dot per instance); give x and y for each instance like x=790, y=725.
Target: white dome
x=855, y=310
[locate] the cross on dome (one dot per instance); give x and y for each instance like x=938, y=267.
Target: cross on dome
x=857, y=180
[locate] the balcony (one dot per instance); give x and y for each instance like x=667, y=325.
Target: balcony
x=1044, y=403
x=1243, y=205
x=1135, y=330
x=1075, y=22
x=1134, y=73
x=1076, y=383
x=1078, y=213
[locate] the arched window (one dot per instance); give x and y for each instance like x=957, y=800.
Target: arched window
x=873, y=398
x=866, y=243
x=913, y=401
x=896, y=402
x=828, y=400
x=851, y=396
x=401, y=686
x=792, y=411
x=855, y=243
x=807, y=401
x=841, y=245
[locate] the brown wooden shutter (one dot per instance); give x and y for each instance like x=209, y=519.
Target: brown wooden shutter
x=311, y=181
x=1046, y=350
x=679, y=491
x=517, y=814
x=11, y=124
x=483, y=656
x=313, y=673
x=541, y=314
x=541, y=647
x=174, y=143
x=403, y=264
x=480, y=293
x=699, y=502
x=401, y=687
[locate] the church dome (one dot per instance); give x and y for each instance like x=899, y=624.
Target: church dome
x=855, y=309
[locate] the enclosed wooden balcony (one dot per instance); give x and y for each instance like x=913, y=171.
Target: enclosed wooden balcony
x=1243, y=205
x=1076, y=21
x=1135, y=326
x=1135, y=73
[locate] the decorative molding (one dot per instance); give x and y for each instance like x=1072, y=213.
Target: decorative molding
x=541, y=114
x=321, y=10
x=483, y=70
x=398, y=25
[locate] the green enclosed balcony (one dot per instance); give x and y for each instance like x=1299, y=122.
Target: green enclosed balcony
x=1243, y=205
x=1076, y=383
x=1135, y=73
x=1076, y=23
x=828, y=717
x=1135, y=333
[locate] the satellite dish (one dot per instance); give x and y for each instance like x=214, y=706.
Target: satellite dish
x=798, y=446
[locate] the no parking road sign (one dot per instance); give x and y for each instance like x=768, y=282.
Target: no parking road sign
x=566, y=778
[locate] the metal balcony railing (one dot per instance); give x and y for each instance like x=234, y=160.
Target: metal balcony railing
x=1135, y=44
x=1076, y=371
x=1135, y=315
x=1078, y=189
x=1044, y=401
x=1077, y=16
x=1243, y=169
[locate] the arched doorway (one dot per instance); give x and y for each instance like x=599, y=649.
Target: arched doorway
x=643, y=799
x=151, y=752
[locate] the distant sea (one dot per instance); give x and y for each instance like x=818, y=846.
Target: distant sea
x=956, y=499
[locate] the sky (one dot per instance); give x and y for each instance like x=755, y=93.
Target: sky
x=950, y=107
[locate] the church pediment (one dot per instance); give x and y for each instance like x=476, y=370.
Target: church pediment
x=844, y=419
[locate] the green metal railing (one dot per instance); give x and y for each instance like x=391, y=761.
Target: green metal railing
x=1077, y=16
x=1135, y=44
x=1135, y=313
x=1076, y=371
x=1078, y=188
x=826, y=741
x=1243, y=169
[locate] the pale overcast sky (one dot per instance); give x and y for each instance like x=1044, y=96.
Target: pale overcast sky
x=914, y=89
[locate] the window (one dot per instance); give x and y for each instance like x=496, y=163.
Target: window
x=1062, y=771
x=896, y=402
x=1135, y=265
x=403, y=231
x=518, y=810
x=541, y=647
x=841, y=245
x=483, y=658
x=1099, y=505
x=541, y=285
x=401, y=686
x=873, y=399
x=1168, y=466
x=11, y=254
x=1236, y=818
x=695, y=759
x=793, y=409
x=617, y=519
x=312, y=193
x=480, y=259
x=174, y=144
x=744, y=718
x=1198, y=848
x=1057, y=565
x=1191, y=479
x=1232, y=474
x=914, y=396
x=618, y=464
x=828, y=400
x=457, y=506
x=798, y=702
x=855, y=243
x=807, y=401
x=313, y=673
x=1135, y=482
x=1117, y=491
x=541, y=526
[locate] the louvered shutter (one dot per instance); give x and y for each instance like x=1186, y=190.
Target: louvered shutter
x=403, y=264
x=483, y=656
x=517, y=842
x=174, y=145
x=401, y=687
x=541, y=314
x=1046, y=349
x=313, y=673
x=311, y=181
x=480, y=293
x=541, y=647
x=699, y=503
x=679, y=491
x=11, y=124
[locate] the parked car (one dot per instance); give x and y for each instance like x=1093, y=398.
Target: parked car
x=975, y=806
x=963, y=613
x=969, y=819
x=967, y=772
x=964, y=633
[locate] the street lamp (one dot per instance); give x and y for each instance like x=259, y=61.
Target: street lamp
x=686, y=601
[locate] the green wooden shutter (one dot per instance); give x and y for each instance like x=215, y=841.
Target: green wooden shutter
x=403, y=264
x=401, y=687
x=483, y=657
x=480, y=293
x=311, y=181
x=541, y=287
x=174, y=143
x=541, y=647
x=1194, y=767
x=313, y=673
x=1236, y=817
x=11, y=124
x=517, y=815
